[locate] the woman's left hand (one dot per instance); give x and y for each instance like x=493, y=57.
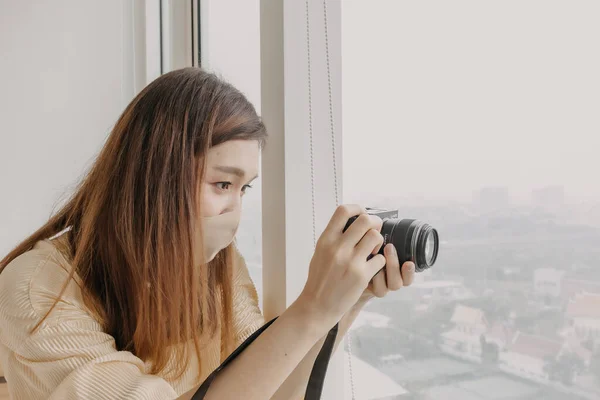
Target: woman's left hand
x=391, y=278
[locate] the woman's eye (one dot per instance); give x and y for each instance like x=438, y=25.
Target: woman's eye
x=224, y=186
x=245, y=188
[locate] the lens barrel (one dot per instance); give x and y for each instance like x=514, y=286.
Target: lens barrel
x=414, y=241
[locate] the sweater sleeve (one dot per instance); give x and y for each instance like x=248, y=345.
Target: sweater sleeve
x=69, y=356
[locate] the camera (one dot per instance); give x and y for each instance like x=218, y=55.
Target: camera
x=414, y=240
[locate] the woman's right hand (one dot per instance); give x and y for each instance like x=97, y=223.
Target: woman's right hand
x=339, y=271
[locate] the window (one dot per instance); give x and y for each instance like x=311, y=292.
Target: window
x=480, y=118
x=249, y=236
x=212, y=47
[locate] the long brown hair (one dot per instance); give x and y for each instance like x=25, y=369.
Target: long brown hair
x=131, y=222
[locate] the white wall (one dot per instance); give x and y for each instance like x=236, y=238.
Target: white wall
x=523, y=366
x=231, y=43
x=65, y=75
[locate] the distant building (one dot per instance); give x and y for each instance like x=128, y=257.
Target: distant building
x=432, y=292
x=547, y=282
x=370, y=319
x=500, y=334
x=583, y=312
x=469, y=320
x=464, y=339
x=570, y=288
x=526, y=355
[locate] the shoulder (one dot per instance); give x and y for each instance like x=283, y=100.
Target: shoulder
x=240, y=270
x=247, y=316
x=30, y=285
x=241, y=275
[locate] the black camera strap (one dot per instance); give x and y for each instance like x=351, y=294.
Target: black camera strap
x=316, y=381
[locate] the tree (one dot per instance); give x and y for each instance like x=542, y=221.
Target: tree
x=564, y=369
x=589, y=344
x=595, y=366
x=490, y=352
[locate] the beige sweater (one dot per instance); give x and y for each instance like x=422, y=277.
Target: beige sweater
x=70, y=357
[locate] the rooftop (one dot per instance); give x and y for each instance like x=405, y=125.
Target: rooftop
x=534, y=346
x=586, y=305
x=468, y=315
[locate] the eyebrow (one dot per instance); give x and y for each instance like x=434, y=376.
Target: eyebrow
x=233, y=170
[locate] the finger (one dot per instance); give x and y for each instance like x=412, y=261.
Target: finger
x=377, y=248
x=408, y=273
x=372, y=239
x=392, y=268
x=379, y=285
x=374, y=265
x=340, y=218
x=361, y=226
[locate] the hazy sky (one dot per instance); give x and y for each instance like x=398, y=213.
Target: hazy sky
x=441, y=97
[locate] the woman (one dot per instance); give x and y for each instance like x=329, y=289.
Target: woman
x=134, y=289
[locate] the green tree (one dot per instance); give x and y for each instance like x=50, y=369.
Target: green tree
x=564, y=369
x=490, y=353
x=595, y=366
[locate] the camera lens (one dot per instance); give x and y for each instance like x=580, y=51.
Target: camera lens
x=414, y=241
x=430, y=246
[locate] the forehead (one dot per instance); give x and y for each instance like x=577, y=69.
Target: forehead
x=243, y=154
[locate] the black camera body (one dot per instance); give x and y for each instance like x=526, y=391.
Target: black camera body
x=414, y=240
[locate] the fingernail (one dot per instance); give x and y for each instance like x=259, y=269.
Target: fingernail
x=389, y=249
x=411, y=266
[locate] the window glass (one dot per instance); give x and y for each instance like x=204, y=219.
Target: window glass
x=249, y=235
x=480, y=118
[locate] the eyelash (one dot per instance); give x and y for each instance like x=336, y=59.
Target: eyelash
x=244, y=188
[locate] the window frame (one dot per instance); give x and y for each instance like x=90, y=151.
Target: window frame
x=287, y=191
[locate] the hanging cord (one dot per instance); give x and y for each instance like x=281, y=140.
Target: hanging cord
x=310, y=128
x=333, y=145
x=330, y=90
x=335, y=174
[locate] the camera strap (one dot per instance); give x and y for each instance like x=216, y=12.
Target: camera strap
x=314, y=388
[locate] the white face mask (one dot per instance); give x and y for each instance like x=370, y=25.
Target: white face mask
x=219, y=231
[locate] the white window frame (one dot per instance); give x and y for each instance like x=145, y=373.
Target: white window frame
x=287, y=191
x=164, y=36
x=142, y=43
x=273, y=73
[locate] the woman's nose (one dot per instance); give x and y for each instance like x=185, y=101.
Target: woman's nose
x=234, y=204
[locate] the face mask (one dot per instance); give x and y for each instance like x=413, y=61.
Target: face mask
x=219, y=231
